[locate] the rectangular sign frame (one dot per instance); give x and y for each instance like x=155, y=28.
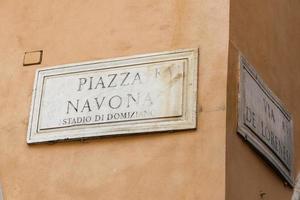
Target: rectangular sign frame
x=185, y=118
x=276, y=149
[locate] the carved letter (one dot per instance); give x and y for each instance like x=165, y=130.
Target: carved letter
x=114, y=77
x=99, y=104
x=82, y=81
x=148, y=99
x=91, y=82
x=72, y=105
x=127, y=74
x=136, y=78
x=86, y=105
x=136, y=100
x=118, y=104
x=100, y=82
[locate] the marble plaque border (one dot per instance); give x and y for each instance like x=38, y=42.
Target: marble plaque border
x=188, y=120
x=286, y=172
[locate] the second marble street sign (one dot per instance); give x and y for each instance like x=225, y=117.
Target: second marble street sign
x=264, y=121
x=154, y=92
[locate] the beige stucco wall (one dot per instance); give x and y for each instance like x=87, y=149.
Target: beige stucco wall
x=268, y=34
x=181, y=165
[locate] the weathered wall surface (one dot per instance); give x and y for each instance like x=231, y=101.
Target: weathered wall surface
x=181, y=165
x=268, y=34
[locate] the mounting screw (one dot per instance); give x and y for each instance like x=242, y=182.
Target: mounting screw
x=262, y=194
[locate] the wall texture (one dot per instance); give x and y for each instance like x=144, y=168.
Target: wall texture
x=268, y=34
x=181, y=165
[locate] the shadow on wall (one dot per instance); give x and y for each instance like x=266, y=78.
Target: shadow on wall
x=296, y=194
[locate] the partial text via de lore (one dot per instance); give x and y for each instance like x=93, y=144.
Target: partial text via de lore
x=264, y=121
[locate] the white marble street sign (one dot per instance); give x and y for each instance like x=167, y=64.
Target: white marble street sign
x=145, y=93
x=264, y=121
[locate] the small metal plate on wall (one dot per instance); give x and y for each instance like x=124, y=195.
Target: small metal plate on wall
x=33, y=58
